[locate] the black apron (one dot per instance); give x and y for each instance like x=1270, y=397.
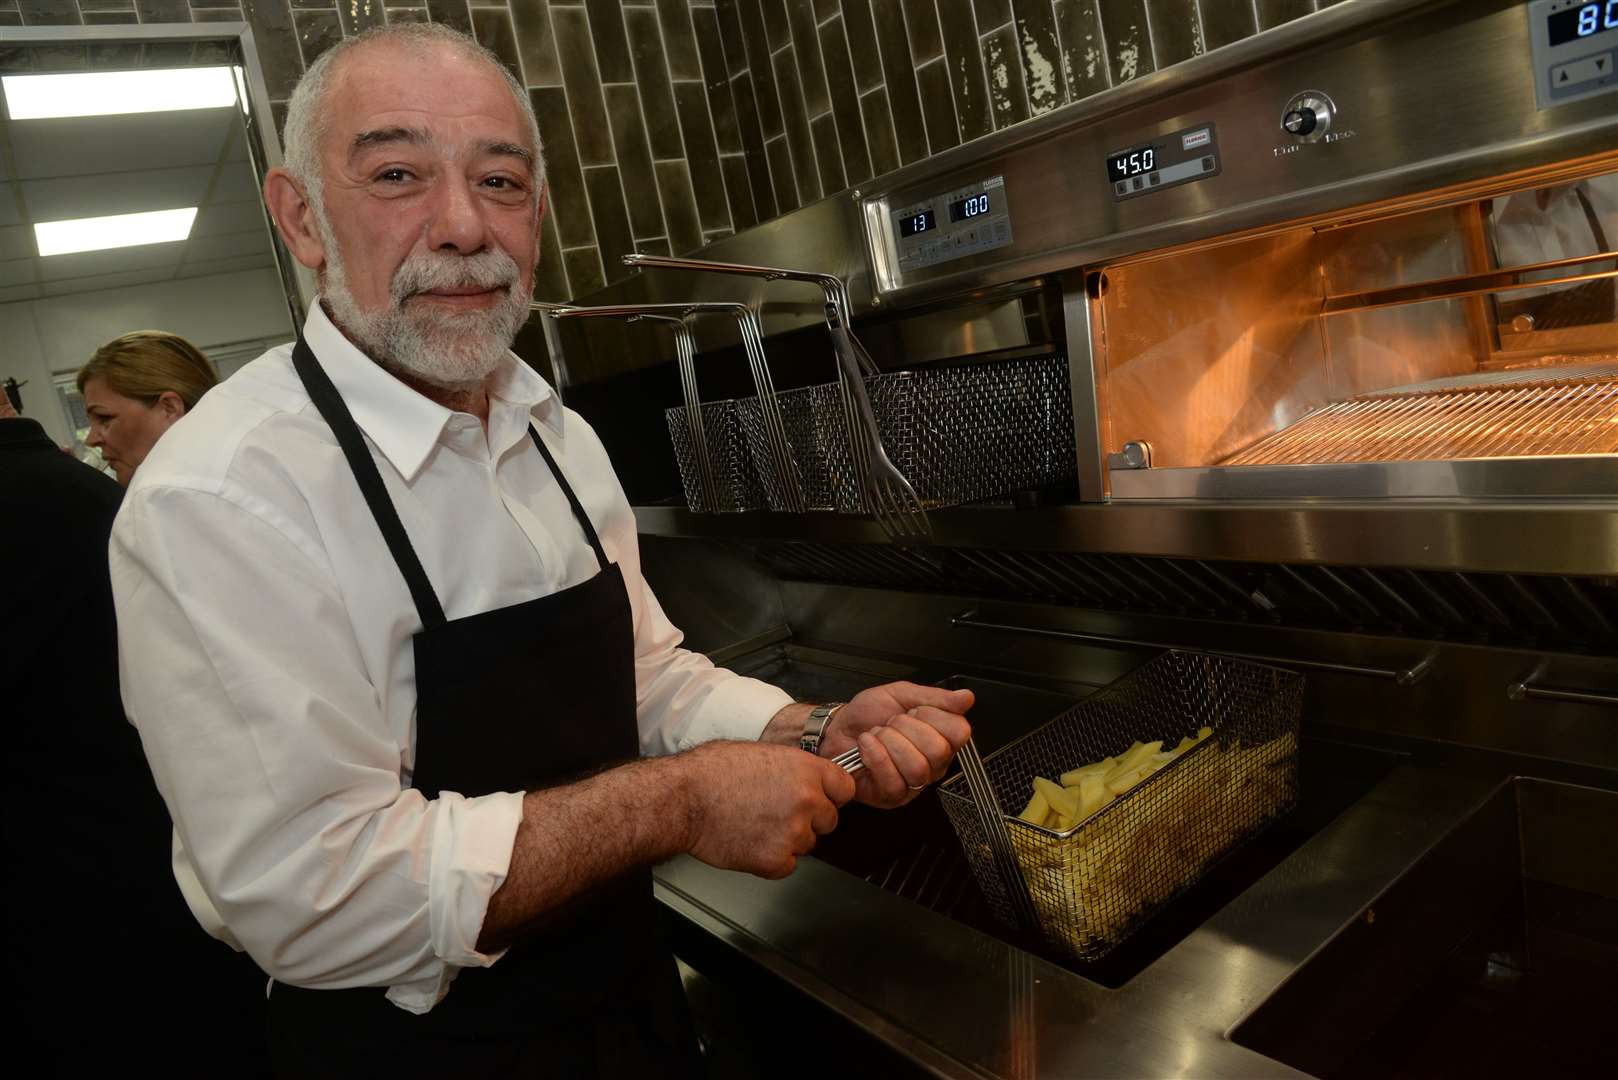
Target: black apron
x=519, y=698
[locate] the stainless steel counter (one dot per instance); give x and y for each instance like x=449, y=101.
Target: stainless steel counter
x=960, y=1003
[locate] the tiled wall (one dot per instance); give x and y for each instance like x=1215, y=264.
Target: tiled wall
x=669, y=123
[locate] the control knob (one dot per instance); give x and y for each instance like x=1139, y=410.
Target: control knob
x=1308, y=116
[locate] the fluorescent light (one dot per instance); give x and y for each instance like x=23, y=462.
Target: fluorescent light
x=114, y=231
x=108, y=93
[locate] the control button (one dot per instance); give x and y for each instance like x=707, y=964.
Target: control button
x=1002, y=230
x=1300, y=121
x=1154, y=179
x=1586, y=70
x=1122, y=188
x=1136, y=183
x=1207, y=164
x=971, y=237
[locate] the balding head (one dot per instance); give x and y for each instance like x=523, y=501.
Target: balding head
x=309, y=110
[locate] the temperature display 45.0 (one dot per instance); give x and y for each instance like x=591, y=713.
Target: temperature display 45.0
x=1582, y=21
x=1127, y=163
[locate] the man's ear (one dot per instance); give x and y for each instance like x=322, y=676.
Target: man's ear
x=294, y=218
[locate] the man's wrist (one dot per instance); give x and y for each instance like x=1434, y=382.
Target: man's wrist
x=786, y=726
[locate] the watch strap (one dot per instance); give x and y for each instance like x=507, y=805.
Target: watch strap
x=814, y=729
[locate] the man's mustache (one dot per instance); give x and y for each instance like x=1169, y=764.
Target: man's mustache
x=432, y=271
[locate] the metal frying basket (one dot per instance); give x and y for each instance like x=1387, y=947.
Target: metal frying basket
x=958, y=434
x=736, y=482
x=1095, y=884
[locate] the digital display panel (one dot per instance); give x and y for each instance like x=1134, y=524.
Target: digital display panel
x=970, y=207
x=1138, y=162
x=917, y=223
x=1582, y=21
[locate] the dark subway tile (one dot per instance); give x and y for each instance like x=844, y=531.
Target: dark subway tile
x=583, y=82
x=570, y=206
x=862, y=49
x=731, y=37
x=88, y=6
x=1175, y=33
x=652, y=75
x=316, y=5
x=964, y=58
x=451, y=13
x=583, y=266
x=926, y=43
x=657, y=245
x=536, y=44
x=738, y=191
x=360, y=15
x=203, y=15
x=1129, y=43
x=879, y=138
x=1002, y=60
x=1275, y=12
x=9, y=17
x=991, y=13
x=938, y=106
x=634, y=159
x=613, y=234
x=173, y=11
x=317, y=32
x=776, y=30
x=1226, y=21
x=58, y=12
x=161, y=54
x=14, y=58
x=828, y=155
x=397, y=16
x=494, y=32
x=679, y=206
x=612, y=46
x=758, y=63
x=900, y=73
x=48, y=58
x=782, y=175
x=679, y=40
x=278, y=113
x=550, y=277
x=796, y=119
x=702, y=155
x=845, y=102
x=716, y=81
x=1084, y=56
x=811, y=67
x=758, y=163
x=825, y=9
x=124, y=18
x=1041, y=54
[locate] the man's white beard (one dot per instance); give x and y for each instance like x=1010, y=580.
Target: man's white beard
x=448, y=349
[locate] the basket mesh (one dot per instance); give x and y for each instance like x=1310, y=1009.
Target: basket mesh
x=1097, y=883
x=735, y=479
x=958, y=434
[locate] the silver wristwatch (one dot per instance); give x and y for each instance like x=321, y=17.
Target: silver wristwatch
x=814, y=729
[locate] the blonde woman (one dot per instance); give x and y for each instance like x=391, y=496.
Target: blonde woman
x=134, y=388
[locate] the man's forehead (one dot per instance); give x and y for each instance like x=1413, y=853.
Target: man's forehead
x=440, y=90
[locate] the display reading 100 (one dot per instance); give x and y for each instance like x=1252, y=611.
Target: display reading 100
x=970, y=207
x=1582, y=21
x=1127, y=163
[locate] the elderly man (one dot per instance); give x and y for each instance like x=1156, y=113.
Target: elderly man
x=387, y=644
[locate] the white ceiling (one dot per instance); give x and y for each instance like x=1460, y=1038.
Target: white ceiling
x=91, y=166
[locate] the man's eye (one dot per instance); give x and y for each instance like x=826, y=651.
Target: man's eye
x=501, y=183
x=394, y=176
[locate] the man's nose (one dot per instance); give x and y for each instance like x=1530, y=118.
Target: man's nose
x=457, y=223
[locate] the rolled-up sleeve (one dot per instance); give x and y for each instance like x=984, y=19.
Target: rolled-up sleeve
x=265, y=734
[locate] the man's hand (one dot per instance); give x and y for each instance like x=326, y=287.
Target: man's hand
x=907, y=735
x=756, y=807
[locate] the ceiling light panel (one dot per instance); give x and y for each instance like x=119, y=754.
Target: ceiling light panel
x=114, y=231
x=109, y=93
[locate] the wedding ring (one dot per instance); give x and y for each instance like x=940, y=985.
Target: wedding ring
x=915, y=787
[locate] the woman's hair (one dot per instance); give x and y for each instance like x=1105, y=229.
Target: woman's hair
x=146, y=363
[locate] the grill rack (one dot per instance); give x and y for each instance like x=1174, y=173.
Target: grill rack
x=1095, y=884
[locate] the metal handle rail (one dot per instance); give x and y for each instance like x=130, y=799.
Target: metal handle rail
x=776, y=445
x=893, y=500
x=1529, y=687
x=1488, y=281
x=1405, y=676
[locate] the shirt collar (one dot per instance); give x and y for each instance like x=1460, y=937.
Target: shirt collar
x=404, y=424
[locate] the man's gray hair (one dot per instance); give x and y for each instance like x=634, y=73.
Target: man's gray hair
x=307, y=111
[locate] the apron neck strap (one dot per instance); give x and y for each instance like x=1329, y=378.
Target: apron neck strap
x=572, y=499
x=335, y=412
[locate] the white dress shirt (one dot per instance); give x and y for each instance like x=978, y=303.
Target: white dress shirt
x=265, y=654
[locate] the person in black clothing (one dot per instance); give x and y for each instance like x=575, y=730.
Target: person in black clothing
x=106, y=967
